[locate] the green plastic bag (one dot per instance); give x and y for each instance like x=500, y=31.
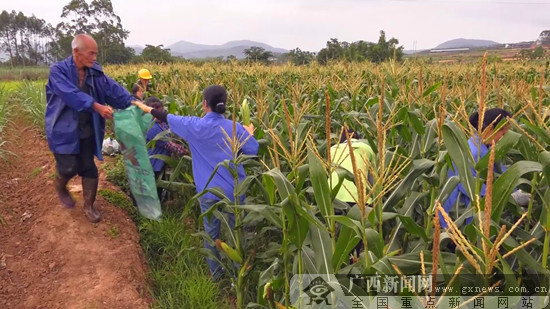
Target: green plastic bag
x=130, y=128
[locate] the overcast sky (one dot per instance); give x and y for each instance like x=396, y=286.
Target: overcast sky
x=308, y=24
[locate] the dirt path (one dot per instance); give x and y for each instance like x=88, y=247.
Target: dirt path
x=51, y=257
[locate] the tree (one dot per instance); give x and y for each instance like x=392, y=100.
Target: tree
x=300, y=57
x=536, y=53
x=100, y=21
x=334, y=51
x=544, y=38
x=6, y=20
x=156, y=54
x=231, y=58
x=361, y=51
x=26, y=40
x=257, y=54
x=539, y=52
x=385, y=50
x=119, y=54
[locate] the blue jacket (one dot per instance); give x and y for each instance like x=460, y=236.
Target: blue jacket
x=65, y=101
x=208, y=144
x=159, y=149
x=459, y=194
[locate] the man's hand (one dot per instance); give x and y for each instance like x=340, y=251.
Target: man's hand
x=249, y=128
x=142, y=106
x=104, y=110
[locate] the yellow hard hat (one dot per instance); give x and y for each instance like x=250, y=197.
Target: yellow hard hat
x=144, y=74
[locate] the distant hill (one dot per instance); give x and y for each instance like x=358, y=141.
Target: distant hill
x=460, y=43
x=137, y=48
x=191, y=50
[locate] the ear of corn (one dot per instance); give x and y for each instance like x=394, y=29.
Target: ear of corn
x=267, y=291
x=245, y=112
x=231, y=253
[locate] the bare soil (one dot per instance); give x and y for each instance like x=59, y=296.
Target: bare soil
x=52, y=257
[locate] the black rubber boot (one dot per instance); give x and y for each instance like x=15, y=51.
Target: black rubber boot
x=61, y=188
x=89, y=189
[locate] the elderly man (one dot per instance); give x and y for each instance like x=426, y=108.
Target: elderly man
x=76, y=93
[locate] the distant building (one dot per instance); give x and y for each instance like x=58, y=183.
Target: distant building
x=520, y=45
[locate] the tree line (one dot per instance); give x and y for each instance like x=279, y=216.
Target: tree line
x=29, y=40
x=334, y=51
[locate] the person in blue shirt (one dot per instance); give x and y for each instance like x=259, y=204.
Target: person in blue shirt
x=479, y=149
x=161, y=147
x=77, y=93
x=208, y=144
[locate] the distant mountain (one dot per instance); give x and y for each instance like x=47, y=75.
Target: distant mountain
x=137, y=48
x=461, y=43
x=191, y=50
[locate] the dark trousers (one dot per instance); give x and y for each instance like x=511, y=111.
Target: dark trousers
x=213, y=228
x=82, y=164
x=160, y=176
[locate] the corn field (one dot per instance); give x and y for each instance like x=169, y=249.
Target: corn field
x=415, y=117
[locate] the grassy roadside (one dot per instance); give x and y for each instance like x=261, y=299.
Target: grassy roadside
x=4, y=113
x=178, y=270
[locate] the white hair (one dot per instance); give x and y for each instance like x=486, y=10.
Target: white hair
x=78, y=41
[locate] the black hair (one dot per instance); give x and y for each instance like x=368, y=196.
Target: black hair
x=154, y=102
x=215, y=96
x=135, y=89
x=492, y=117
x=352, y=134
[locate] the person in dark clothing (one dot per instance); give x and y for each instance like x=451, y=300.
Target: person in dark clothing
x=137, y=92
x=161, y=147
x=77, y=93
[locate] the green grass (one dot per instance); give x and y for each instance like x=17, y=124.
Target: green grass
x=116, y=174
x=32, y=96
x=178, y=269
x=12, y=85
x=23, y=73
x=113, y=231
x=120, y=200
x=5, y=109
x=35, y=172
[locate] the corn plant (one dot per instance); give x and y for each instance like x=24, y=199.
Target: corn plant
x=5, y=109
x=415, y=117
x=32, y=96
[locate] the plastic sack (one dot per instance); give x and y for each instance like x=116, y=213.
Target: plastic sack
x=110, y=147
x=130, y=128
